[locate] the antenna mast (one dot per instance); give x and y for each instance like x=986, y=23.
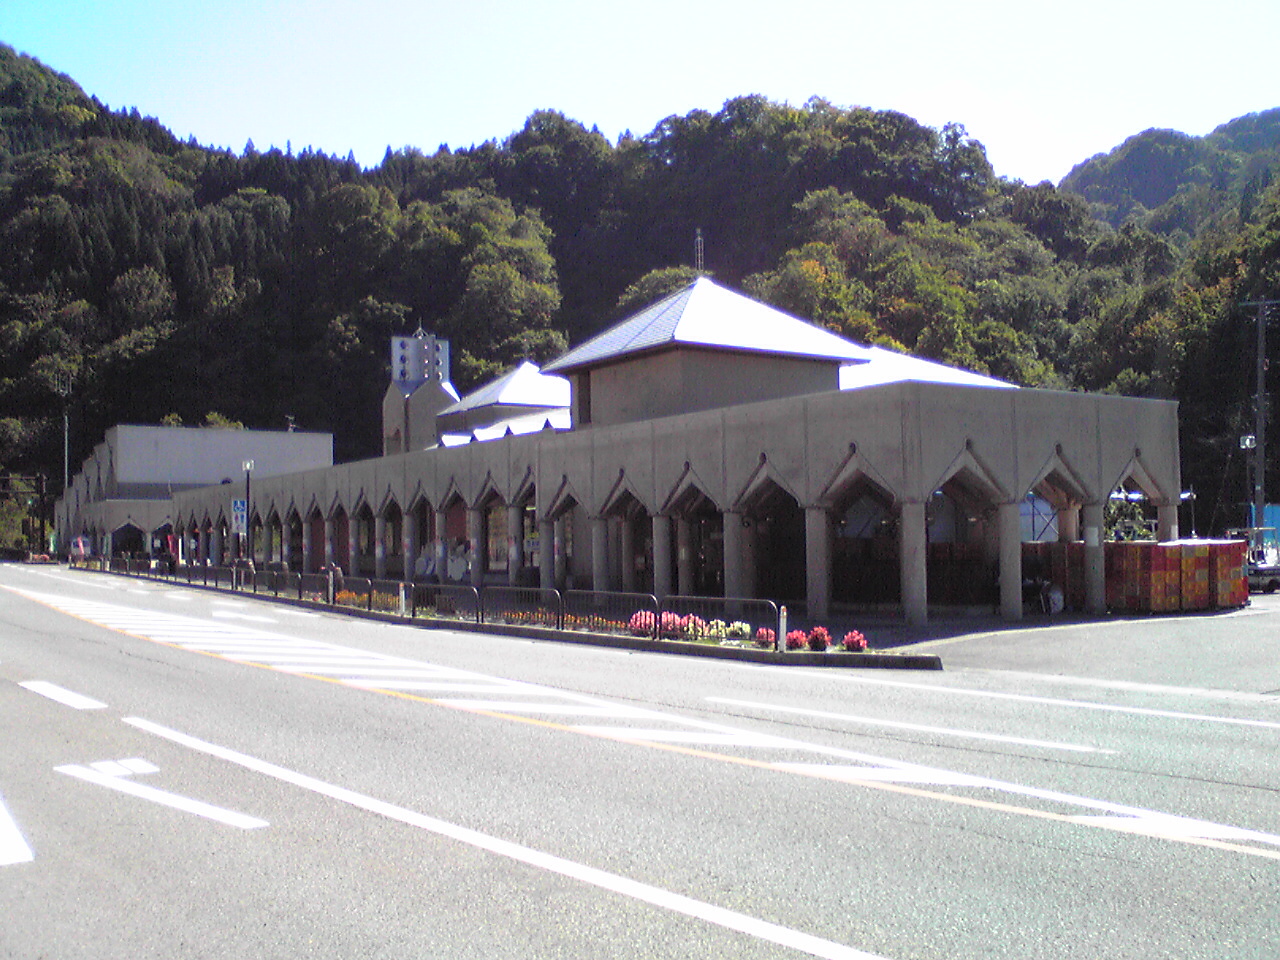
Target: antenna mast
x=697, y=252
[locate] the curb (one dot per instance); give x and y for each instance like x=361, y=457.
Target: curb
x=883, y=661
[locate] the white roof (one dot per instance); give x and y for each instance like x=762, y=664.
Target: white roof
x=524, y=386
x=889, y=366
x=527, y=423
x=708, y=315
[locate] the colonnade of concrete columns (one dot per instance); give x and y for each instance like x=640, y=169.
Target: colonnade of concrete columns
x=613, y=550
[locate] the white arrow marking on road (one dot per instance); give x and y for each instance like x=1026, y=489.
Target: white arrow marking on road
x=114, y=775
x=13, y=846
x=65, y=697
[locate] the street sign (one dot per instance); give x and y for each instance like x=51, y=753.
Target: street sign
x=239, y=516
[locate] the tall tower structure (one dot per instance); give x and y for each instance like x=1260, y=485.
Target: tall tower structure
x=419, y=389
x=419, y=358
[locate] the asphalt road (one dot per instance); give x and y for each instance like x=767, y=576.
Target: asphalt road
x=191, y=775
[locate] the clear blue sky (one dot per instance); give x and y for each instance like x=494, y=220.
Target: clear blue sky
x=1043, y=85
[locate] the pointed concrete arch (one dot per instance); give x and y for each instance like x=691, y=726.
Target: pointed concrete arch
x=386, y=501
x=967, y=470
x=554, y=517
x=488, y=494
x=856, y=473
x=766, y=539
x=1138, y=472
x=452, y=495
x=1060, y=483
x=562, y=501
x=526, y=489
x=622, y=498
x=699, y=540
x=686, y=493
x=1166, y=501
x=760, y=487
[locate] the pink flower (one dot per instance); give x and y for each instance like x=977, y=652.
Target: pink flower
x=854, y=640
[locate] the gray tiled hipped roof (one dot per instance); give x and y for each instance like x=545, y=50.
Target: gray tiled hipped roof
x=707, y=315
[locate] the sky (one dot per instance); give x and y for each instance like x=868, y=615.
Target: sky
x=1044, y=85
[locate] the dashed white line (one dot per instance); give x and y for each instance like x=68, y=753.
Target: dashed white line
x=67, y=698
x=13, y=846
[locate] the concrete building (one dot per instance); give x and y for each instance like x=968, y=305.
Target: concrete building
x=717, y=446
x=121, y=499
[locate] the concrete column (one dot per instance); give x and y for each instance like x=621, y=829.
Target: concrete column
x=734, y=579
x=1095, y=568
x=684, y=557
x=1010, y=526
x=749, y=539
x=475, y=534
x=1069, y=523
x=627, y=552
x=328, y=539
x=560, y=559
x=613, y=539
x=409, y=543
x=442, y=547
x=661, y=555
x=1167, y=522
x=215, y=547
x=202, y=545
x=515, y=544
x=305, y=565
x=913, y=563
x=817, y=560
x=286, y=544
x=600, y=554
x=380, y=547
x=547, y=554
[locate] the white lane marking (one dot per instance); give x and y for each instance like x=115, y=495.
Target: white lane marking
x=914, y=727
x=13, y=846
x=658, y=897
x=1133, y=686
x=651, y=735
x=82, y=581
x=119, y=781
x=233, y=615
x=425, y=685
x=63, y=696
x=157, y=626
x=1175, y=828
x=1118, y=816
x=1060, y=702
x=567, y=709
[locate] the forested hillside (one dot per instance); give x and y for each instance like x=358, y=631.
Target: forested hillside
x=164, y=279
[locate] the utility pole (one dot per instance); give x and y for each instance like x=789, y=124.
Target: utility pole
x=62, y=385
x=1260, y=419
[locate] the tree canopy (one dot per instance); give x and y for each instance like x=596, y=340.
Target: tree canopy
x=166, y=279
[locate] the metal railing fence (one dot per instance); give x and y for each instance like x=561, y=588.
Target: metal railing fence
x=688, y=618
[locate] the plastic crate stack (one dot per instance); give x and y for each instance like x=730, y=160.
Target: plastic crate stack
x=1229, y=574
x=1145, y=577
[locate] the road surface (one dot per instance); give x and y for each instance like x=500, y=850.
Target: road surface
x=194, y=775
